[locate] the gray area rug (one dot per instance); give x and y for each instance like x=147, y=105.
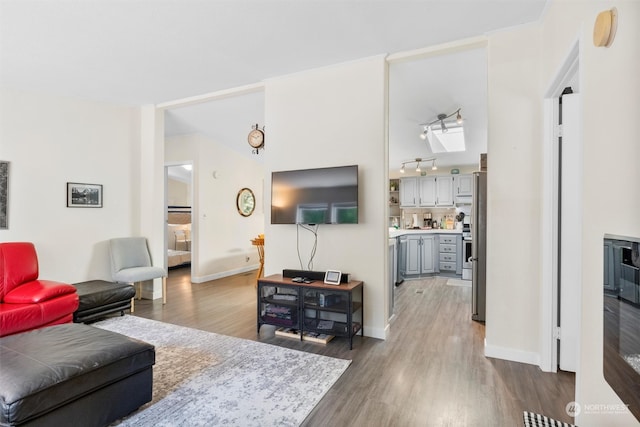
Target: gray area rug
x=204, y=379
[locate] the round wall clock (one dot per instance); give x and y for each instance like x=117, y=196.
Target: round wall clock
x=256, y=137
x=245, y=202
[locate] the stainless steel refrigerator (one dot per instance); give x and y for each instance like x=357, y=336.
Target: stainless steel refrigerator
x=479, y=247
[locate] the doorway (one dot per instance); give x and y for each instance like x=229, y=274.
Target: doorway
x=422, y=85
x=561, y=207
x=179, y=236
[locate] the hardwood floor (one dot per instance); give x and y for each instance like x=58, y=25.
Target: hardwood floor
x=430, y=372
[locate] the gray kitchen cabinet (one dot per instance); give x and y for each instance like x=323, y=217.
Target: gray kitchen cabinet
x=428, y=264
x=428, y=192
x=420, y=255
x=450, y=254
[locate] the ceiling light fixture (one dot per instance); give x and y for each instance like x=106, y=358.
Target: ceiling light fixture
x=441, y=122
x=419, y=160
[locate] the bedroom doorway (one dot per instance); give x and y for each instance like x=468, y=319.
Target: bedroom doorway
x=179, y=236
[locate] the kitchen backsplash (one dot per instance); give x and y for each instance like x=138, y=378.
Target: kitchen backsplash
x=437, y=214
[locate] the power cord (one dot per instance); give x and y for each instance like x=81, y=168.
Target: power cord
x=313, y=229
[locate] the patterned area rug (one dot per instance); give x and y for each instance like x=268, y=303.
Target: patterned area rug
x=531, y=419
x=205, y=379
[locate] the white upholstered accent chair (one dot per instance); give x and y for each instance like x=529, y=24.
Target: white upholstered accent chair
x=131, y=263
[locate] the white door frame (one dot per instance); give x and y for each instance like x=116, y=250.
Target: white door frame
x=549, y=212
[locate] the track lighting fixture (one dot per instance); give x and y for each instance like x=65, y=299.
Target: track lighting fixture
x=441, y=122
x=419, y=160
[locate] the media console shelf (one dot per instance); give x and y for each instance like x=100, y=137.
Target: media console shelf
x=311, y=307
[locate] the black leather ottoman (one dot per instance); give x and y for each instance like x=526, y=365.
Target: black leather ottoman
x=99, y=298
x=72, y=375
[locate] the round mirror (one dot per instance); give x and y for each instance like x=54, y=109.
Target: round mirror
x=245, y=202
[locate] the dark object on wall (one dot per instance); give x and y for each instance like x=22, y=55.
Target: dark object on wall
x=4, y=195
x=315, y=196
x=84, y=195
x=621, y=317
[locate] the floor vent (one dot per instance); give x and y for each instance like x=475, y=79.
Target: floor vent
x=419, y=291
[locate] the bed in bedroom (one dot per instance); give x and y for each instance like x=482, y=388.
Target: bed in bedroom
x=179, y=236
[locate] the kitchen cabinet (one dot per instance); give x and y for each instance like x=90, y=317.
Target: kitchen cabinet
x=426, y=191
x=450, y=254
x=463, y=185
x=408, y=192
x=444, y=187
x=419, y=255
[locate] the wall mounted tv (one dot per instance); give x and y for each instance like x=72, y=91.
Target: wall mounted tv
x=315, y=196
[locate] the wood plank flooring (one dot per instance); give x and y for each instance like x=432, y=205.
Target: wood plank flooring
x=430, y=372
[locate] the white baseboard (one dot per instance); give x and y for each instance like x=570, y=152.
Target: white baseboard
x=222, y=274
x=511, y=354
x=376, y=332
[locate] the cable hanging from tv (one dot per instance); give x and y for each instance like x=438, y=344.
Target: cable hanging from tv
x=313, y=228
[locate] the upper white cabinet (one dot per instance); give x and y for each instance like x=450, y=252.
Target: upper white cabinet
x=463, y=185
x=427, y=191
x=409, y=192
x=444, y=185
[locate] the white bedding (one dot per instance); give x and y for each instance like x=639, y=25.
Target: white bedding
x=178, y=257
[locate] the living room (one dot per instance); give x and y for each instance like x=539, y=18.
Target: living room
x=50, y=139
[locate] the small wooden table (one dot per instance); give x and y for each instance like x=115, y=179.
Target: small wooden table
x=258, y=242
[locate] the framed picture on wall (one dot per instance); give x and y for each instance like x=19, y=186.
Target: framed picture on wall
x=4, y=195
x=84, y=195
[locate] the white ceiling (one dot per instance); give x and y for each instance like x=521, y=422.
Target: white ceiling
x=142, y=51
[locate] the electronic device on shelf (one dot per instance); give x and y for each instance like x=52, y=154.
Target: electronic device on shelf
x=315, y=196
x=332, y=277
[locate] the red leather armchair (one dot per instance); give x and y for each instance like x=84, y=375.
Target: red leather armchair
x=28, y=303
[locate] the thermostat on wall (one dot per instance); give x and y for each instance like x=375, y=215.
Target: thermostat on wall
x=332, y=277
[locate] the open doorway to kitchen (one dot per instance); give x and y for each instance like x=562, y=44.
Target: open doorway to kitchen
x=431, y=180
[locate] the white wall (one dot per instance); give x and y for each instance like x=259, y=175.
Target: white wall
x=222, y=236
x=522, y=64
x=513, y=210
x=610, y=90
x=178, y=192
x=51, y=141
x=331, y=117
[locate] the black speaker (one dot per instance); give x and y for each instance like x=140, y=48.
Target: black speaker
x=313, y=275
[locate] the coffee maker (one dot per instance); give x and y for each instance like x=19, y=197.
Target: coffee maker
x=427, y=220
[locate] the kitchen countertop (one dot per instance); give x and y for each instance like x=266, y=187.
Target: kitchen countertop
x=395, y=233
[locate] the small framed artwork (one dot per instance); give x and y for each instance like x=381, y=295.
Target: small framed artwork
x=4, y=195
x=84, y=195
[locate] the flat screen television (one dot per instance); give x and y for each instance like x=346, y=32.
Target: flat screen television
x=315, y=196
